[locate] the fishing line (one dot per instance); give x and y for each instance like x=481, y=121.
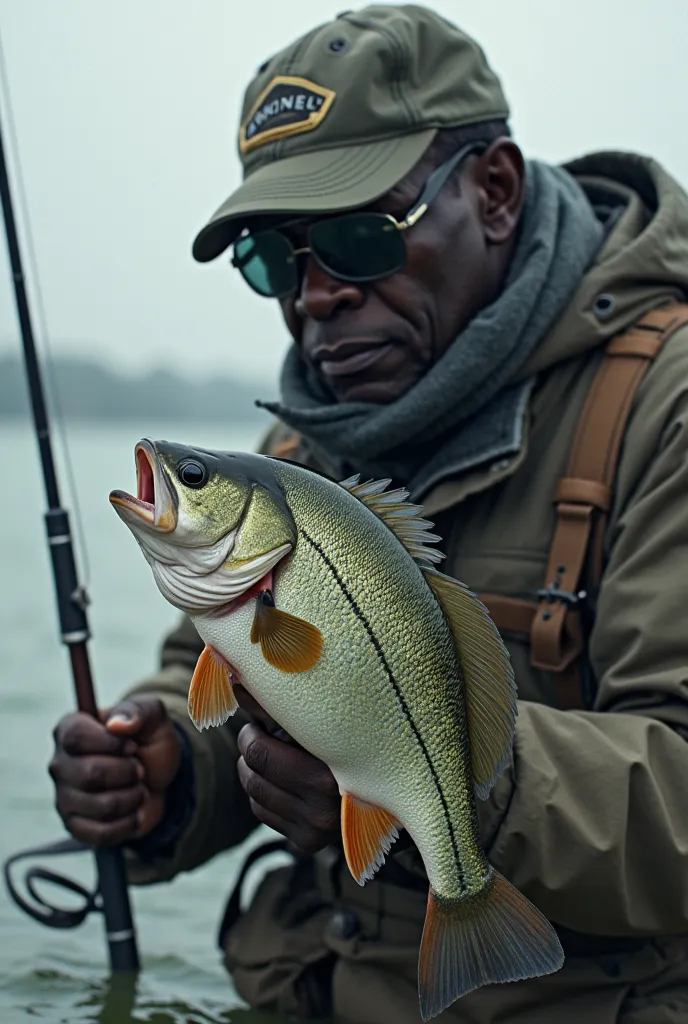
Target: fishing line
x=58, y=416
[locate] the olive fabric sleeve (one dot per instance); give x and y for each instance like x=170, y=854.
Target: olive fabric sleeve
x=219, y=815
x=591, y=822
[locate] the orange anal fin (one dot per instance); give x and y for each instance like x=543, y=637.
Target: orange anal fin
x=287, y=642
x=211, y=696
x=367, y=833
x=495, y=936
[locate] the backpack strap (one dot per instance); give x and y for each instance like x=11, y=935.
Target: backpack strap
x=553, y=623
x=583, y=499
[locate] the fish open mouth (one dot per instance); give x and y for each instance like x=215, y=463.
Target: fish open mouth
x=155, y=502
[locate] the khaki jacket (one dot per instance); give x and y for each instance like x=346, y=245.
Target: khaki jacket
x=591, y=823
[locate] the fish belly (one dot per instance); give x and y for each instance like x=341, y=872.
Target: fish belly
x=339, y=710
x=375, y=708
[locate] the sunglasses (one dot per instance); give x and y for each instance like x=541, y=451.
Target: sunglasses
x=357, y=247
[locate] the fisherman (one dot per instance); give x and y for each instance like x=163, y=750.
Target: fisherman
x=505, y=338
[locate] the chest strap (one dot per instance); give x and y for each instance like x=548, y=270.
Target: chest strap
x=583, y=498
x=552, y=624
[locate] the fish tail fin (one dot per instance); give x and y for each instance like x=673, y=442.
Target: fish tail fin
x=497, y=936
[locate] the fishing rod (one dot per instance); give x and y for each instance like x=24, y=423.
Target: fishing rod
x=111, y=897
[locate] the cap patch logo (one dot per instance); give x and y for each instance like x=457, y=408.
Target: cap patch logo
x=288, y=106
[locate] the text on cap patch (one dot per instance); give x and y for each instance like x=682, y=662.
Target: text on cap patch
x=288, y=106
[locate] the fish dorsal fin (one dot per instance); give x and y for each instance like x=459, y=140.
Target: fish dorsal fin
x=488, y=679
x=399, y=515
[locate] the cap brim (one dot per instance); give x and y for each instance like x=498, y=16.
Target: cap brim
x=318, y=182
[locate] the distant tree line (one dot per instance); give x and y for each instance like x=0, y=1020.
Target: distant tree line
x=88, y=390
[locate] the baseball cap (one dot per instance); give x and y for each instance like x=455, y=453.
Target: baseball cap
x=338, y=117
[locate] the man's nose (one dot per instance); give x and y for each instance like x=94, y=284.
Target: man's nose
x=321, y=296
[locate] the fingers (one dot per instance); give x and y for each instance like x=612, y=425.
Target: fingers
x=289, y=790
x=139, y=717
x=291, y=768
x=306, y=843
x=307, y=828
x=102, y=807
x=102, y=791
x=249, y=703
x=98, y=798
x=146, y=722
x=151, y=812
x=103, y=834
x=268, y=797
x=96, y=774
x=109, y=818
x=79, y=735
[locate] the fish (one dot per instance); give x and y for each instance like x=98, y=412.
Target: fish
x=325, y=601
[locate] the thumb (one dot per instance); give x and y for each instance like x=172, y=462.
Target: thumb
x=138, y=718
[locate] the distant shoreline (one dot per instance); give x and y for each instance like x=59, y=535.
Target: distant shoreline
x=90, y=391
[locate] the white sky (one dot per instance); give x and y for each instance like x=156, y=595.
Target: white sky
x=126, y=112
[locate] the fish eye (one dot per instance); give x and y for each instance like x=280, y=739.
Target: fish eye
x=192, y=473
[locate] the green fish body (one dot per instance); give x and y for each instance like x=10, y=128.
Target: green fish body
x=337, y=622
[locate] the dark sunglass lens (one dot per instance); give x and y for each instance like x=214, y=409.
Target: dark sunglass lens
x=359, y=246
x=267, y=263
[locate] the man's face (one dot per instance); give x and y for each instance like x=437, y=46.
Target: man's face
x=372, y=342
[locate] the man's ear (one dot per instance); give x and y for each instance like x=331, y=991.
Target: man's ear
x=499, y=174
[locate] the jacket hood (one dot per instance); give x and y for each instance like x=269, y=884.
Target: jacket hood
x=642, y=264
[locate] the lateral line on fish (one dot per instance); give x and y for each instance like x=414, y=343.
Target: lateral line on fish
x=400, y=697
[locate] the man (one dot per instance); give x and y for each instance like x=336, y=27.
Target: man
x=450, y=306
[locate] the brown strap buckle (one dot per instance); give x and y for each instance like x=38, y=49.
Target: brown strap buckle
x=578, y=511
x=553, y=593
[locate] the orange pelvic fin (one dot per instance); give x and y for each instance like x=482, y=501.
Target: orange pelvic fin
x=367, y=833
x=287, y=642
x=495, y=937
x=211, y=696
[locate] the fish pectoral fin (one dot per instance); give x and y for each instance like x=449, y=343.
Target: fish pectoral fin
x=488, y=679
x=287, y=642
x=367, y=833
x=497, y=936
x=211, y=696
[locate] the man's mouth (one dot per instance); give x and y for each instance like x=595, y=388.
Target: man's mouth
x=154, y=502
x=349, y=356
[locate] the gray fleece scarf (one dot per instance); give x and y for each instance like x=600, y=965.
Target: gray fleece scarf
x=461, y=414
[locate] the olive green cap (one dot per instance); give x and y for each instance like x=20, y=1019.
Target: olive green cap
x=337, y=118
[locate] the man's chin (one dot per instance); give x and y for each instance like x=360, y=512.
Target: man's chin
x=377, y=392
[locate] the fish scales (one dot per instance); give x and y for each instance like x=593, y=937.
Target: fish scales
x=362, y=703
x=380, y=668
x=418, y=649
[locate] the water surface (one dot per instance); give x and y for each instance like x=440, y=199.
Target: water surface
x=61, y=976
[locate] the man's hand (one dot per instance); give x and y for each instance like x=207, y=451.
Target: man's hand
x=289, y=789
x=111, y=776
